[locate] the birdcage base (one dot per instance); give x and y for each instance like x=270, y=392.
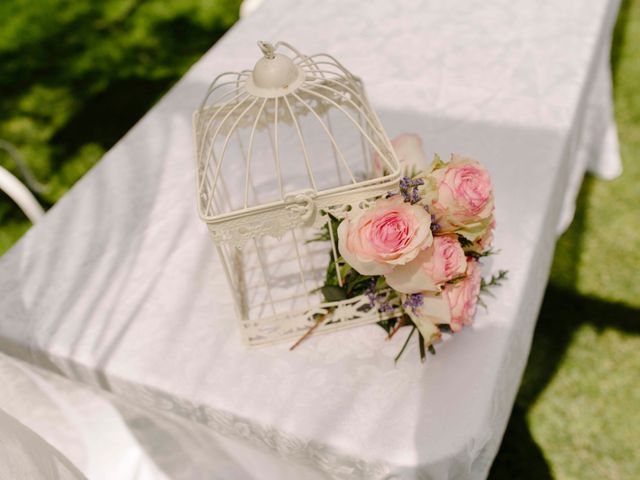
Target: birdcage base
x=326, y=317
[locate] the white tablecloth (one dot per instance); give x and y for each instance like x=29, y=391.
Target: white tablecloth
x=119, y=288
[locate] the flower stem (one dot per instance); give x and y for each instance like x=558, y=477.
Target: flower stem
x=395, y=360
x=319, y=320
x=397, y=326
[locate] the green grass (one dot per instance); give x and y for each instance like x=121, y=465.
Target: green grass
x=77, y=75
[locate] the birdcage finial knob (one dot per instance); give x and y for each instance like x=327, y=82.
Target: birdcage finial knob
x=274, y=71
x=267, y=49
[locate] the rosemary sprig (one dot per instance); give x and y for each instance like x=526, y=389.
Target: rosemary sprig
x=478, y=255
x=486, y=285
x=495, y=280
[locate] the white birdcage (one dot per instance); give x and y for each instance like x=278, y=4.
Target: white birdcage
x=280, y=149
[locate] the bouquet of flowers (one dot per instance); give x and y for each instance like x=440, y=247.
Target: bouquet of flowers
x=416, y=252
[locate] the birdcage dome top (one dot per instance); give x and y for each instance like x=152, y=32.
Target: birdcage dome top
x=291, y=135
x=274, y=75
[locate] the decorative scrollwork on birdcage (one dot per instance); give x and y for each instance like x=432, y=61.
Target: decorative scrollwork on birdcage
x=281, y=151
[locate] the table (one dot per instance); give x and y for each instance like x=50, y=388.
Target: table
x=118, y=289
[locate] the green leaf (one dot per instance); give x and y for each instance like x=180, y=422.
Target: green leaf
x=335, y=223
x=464, y=241
x=322, y=236
x=389, y=324
x=344, y=268
x=357, y=284
x=455, y=280
x=479, y=255
x=381, y=283
x=474, y=230
x=444, y=327
x=437, y=163
x=333, y=294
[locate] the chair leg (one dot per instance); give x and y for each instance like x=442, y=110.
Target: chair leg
x=21, y=195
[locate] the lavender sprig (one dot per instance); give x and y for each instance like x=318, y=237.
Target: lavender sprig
x=434, y=226
x=378, y=299
x=413, y=302
x=409, y=189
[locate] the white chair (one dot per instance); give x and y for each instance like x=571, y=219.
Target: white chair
x=16, y=190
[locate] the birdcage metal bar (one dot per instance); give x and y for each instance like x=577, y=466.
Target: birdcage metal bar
x=319, y=76
x=333, y=63
x=302, y=144
x=333, y=148
x=221, y=87
x=230, y=91
x=337, y=63
x=226, y=141
x=264, y=274
x=337, y=72
x=382, y=155
x=249, y=152
x=300, y=267
x=277, y=262
x=348, y=86
x=244, y=156
x=328, y=123
x=213, y=86
x=273, y=140
x=213, y=117
x=292, y=48
x=355, y=105
x=331, y=139
x=365, y=151
x=234, y=285
x=283, y=300
x=205, y=166
x=254, y=286
x=215, y=198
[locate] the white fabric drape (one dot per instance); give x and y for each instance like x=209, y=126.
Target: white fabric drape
x=24, y=455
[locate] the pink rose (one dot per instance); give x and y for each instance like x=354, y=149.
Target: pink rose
x=464, y=200
x=389, y=233
x=484, y=243
x=463, y=296
x=443, y=261
x=408, y=148
x=486, y=240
